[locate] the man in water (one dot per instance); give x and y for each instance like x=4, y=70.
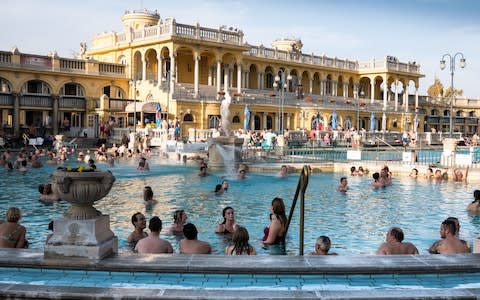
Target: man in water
x=394, y=244
x=376, y=181
x=322, y=246
x=191, y=245
x=139, y=223
x=450, y=243
x=153, y=243
x=343, y=186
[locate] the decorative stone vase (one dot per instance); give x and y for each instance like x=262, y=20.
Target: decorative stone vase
x=82, y=189
x=84, y=232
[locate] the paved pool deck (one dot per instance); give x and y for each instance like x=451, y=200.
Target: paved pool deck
x=344, y=266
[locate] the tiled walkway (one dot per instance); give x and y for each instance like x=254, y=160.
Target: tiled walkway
x=25, y=274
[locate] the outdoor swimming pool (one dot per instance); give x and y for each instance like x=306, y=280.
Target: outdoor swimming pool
x=356, y=221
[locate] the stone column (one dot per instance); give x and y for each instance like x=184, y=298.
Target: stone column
x=265, y=114
x=55, y=114
x=239, y=78
x=160, y=69
x=226, y=77
x=16, y=114
x=173, y=73
x=144, y=67
x=334, y=87
x=405, y=98
x=396, y=95
x=416, y=98
x=372, y=91
x=385, y=96
x=196, y=75
x=289, y=115
x=219, y=75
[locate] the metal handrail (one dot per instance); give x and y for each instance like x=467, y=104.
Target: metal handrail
x=301, y=188
x=386, y=143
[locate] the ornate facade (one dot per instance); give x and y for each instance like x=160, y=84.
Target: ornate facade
x=187, y=69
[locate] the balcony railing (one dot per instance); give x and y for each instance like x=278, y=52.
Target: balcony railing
x=36, y=100
x=72, y=102
x=6, y=99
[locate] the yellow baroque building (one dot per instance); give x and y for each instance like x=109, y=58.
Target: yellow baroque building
x=187, y=69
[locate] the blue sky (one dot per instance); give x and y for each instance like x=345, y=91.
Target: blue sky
x=411, y=30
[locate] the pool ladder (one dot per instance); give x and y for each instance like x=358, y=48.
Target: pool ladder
x=301, y=188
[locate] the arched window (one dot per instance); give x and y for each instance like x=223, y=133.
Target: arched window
x=236, y=119
x=446, y=113
x=36, y=87
x=269, y=80
x=5, y=86
x=269, y=122
x=471, y=114
x=72, y=89
x=213, y=121
x=188, y=118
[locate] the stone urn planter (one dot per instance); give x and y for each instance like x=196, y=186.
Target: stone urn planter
x=82, y=188
x=84, y=232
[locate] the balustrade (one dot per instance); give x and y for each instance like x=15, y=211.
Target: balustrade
x=36, y=100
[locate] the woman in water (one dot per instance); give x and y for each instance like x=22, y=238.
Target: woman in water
x=275, y=233
x=12, y=234
x=240, y=243
x=228, y=226
x=148, y=196
x=474, y=207
x=179, y=219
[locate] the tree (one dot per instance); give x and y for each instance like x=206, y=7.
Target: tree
x=436, y=89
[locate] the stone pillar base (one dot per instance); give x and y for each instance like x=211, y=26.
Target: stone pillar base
x=90, y=238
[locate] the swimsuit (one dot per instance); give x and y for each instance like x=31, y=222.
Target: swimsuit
x=9, y=237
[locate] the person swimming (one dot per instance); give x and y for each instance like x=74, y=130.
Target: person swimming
x=228, y=226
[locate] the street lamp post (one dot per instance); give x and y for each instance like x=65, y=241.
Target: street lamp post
x=281, y=83
x=134, y=82
x=452, y=73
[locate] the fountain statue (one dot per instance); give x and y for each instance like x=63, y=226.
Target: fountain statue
x=225, y=151
x=83, y=232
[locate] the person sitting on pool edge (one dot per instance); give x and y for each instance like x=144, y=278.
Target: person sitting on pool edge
x=153, y=243
x=322, y=246
x=139, y=223
x=12, y=234
x=394, y=244
x=190, y=244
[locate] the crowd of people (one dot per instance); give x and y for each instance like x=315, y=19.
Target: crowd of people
x=13, y=235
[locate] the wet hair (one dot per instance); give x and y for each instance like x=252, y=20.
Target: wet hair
x=416, y=171
x=353, y=169
x=341, y=179
x=430, y=169
x=24, y=163
x=376, y=175
x=450, y=226
x=456, y=222
x=218, y=187
x=13, y=214
x=397, y=233
x=147, y=193
x=50, y=226
x=360, y=169
x=476, y=195
x=47, y=189
x=278, y=208
x=41, y=188
x=190, y=231
x=134, y=217
x=324, y=243
x=155, y=224
x=240, y=241
x=224, y=213
x=177, y=215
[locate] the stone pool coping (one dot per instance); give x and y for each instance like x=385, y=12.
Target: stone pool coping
x=278, y=265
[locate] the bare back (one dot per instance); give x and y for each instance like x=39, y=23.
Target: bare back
x=153, y=244
x=397, y=249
